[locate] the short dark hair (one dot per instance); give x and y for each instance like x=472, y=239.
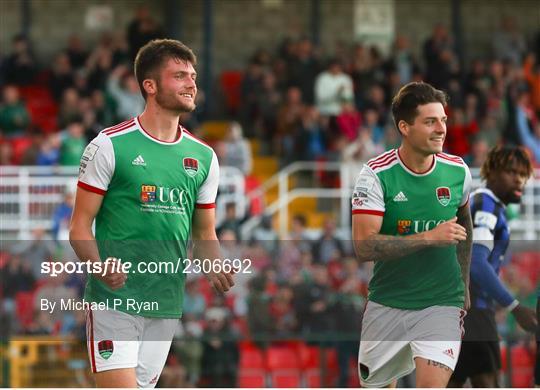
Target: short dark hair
x=301, y=219
x=410, y=96
x=152, y=56
x=501, y=158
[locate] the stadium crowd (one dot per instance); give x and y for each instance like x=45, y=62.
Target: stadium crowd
x=303, y=105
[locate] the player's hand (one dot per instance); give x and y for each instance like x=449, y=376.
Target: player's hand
x=112, y=275
x=221, y=281
x=447, y=233
x=525, y=317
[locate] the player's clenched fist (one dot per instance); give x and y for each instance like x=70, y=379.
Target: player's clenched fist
x=113, y=275
x=447, y=233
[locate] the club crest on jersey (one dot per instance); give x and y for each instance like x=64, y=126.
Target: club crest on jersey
x=404, y=226
x=443, y=195
x=148, y=193
x=191, y=166
x=105, y=348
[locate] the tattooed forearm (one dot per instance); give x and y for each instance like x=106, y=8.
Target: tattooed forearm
x=437, y=364
x=464, y=248
x=380, y=247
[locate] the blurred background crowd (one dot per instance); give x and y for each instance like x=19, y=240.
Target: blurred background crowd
x=302, y=106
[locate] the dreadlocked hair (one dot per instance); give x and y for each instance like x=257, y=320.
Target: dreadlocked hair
x=503, y=157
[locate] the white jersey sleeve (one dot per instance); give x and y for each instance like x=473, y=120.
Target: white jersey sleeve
x=206, y=197
x=467, y=184
x=368, y=195
x=97, y=165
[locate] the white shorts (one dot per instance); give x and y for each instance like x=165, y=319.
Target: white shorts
x=392, y=338
x=119, y=340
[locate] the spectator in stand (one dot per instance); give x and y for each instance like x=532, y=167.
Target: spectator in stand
x=459, y=133
x=30, y=155
x=231, y=222
x=49, y=152
x=54, y=290
x=364, y=74
x=266, y=236
x=283, y=316
x=288, y=120
x=73, y=143
x=479, y=152
x=80, y=83
x=527, y=125
x=220, y=352
x=508, y=42
x=440, y=59
x=250, y=90
x=349, y=121
x=490, y=131
x=377, y=101
x=194, y=302
x=76, y=53
x=104, y=108
x=328, y=247
x=14, y=117
x=16, y=277
x=124, y=89
x=236, y=150
x=35, y=251
x=313, y=305
x=19, y=68
x=402, y=61
x=61, y=77
x=141, y=30
x=69, y=108
x=531, y=69
x=62, y=217
x=258, y=314
x=303, y=69
x=268, y=102
x=310, y=142
x=361, y=149
x=298, y=231
x=332, y=87
x=99, y=66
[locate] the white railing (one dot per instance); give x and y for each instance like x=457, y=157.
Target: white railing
x=526, y=227
x=29, y=195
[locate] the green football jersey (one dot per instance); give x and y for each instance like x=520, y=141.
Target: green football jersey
x=150, y=189
x=411, y=203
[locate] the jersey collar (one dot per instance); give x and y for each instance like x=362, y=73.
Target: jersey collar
x=414, y=173
x=151, y=137
x=488, y=192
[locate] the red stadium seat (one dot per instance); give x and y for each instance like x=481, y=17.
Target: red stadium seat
x=19, y=146
x=251, y=378
x=230, y=82
x=522, y=367
x=282, y=358
x=252, y=358
x=282, y=379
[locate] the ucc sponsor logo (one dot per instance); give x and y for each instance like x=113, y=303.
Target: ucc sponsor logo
x=152, y=194
x=409, y=226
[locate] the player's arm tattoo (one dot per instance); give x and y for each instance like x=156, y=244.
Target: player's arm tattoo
x=437, y=364
x=380, y=247
x=464, y=248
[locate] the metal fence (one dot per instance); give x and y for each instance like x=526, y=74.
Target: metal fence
x=29, y=196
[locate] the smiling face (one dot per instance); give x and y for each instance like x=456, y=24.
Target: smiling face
x=427, y=133
x=175, y=88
